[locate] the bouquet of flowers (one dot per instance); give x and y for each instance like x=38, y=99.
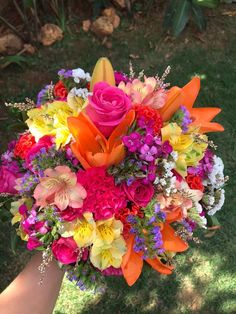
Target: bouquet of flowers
x=114, y=171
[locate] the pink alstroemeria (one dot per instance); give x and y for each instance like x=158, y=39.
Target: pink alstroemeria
x=59, y=187
x=145, y=93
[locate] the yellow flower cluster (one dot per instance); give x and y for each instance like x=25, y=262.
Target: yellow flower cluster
x=190, y=146
x=108, y=245
x=51, y=119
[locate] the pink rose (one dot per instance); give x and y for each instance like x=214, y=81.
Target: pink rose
x=139, y=193
x=107, y=107
x=44, y=142
x=65, y=250
x=8, y=180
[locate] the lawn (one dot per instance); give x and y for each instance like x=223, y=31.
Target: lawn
x=205, y=278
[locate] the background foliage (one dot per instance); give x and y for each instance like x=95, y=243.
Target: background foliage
x=205, y=280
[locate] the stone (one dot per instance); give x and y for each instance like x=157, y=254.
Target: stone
x=29, y=49
x=10, y=44
x=102, y=26
x=50, y=33
x=113, y=17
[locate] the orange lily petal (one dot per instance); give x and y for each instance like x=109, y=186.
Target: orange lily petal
x=159, y=266
x=186, y=96
x=121, y=129
x=173, y=102
x=202, y=117
x=172, y=242
x=174, y=216
x=190, y=92
x=132, y=263
x=91, y=147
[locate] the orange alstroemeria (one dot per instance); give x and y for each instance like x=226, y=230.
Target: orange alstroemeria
x=186, y=96
x=132, y=262
x=91, y=147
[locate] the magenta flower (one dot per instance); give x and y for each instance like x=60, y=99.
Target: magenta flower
x=8, y=180
x=107, y=107
x=33, y=243
x=104, y=198
x=65, y=250
x=139, y=193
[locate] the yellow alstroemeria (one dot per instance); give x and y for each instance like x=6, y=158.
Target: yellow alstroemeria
x=107, y=231
x=83, y=230
x=190, y=146
x=179, y=141
x=51, y=119
x=108, y=255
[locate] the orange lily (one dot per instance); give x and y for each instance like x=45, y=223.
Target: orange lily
x=186, y=96
x=91, y=147
x=132, y=262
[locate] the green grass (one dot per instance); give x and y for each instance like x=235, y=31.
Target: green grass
x=205, y=279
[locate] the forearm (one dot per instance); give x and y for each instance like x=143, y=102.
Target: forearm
x=26, y=296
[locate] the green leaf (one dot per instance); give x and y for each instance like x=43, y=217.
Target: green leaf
x=19, y=60
x=199, y=17
x=181, y=16
x=212, y=4
x=169, y=14
x=212, y=221
x=14, y=240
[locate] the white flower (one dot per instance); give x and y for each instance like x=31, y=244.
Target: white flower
x=162, y=181
x=219, y=204
x=79, y=73
x=216, y=176
x=174, y=155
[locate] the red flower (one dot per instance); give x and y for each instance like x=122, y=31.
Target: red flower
x=124, y=213
x=24, y=144
x=149, y=114
x=60, y=90
x=194, y=182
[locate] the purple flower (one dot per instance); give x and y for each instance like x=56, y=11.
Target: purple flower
x=186, y=118
x=205, y=165
x=157, y=208
x=148, y=153
x=166, y=148
x=41, y=95
x=132, y=141
x=65, y=73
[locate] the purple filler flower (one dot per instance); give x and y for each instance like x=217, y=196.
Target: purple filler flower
x=186, y=120
x=65, y=73
x=42, y=94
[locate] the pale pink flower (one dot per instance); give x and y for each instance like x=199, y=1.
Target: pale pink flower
x=145, y=93
x=185, y=198
x=60, y=187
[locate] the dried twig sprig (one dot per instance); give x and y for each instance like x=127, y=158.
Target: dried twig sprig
x=160, y=81
x=47, y=259
x=131, y=70
x=22, y=106
x=5, y=194
x=50, y=93
x=199, y=139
